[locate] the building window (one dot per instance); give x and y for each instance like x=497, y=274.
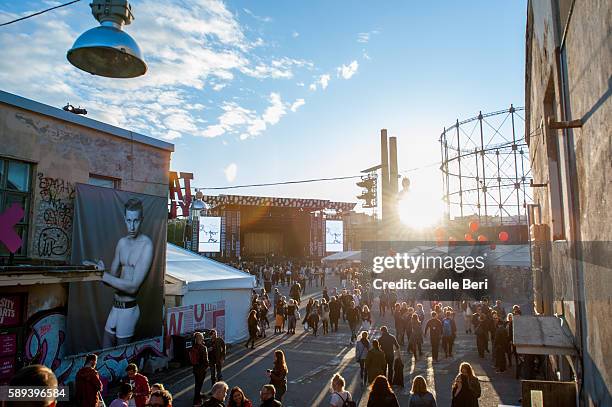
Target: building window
x=15, y=187
x=102, y=181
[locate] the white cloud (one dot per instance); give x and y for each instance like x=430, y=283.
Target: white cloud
x=258, y=18
x=363, y=37
x=297, y=104
x=365, y=55
x=230, y=172
x=239, y=120
x=194, y=49
x=295, y=34
x=347, y=71
x=322, y=81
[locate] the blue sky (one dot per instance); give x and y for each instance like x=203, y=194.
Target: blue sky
x=262, y=91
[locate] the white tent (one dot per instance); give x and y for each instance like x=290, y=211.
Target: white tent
x=350, y=256
x=200, y=280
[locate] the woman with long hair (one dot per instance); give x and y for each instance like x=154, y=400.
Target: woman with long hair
x=419, y=395
x=466, y=388
x=278, y=374
x=252, y=323
x=381, y=394
x=238, y=399
x=415, y=340
x=366, y=318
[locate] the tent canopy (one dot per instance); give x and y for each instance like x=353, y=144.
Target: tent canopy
x=201, y=273
x=353, y=256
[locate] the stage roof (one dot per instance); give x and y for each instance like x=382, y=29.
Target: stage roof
x=247, y=200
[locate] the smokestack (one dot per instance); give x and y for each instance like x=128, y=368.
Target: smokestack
x=393, y=181
x=384, y=162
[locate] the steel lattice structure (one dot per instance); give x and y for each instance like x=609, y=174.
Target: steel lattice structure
x=485, y=168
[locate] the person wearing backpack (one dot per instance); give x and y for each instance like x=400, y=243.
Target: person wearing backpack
x=340, y=397
x=198, y=355
x=449, y=330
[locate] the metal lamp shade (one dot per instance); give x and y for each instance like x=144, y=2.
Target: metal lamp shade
x=107, y=51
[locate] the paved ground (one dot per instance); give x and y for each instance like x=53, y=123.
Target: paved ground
x=313, y=360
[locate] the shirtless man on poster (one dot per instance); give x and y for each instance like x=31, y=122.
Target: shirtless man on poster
x=131, y=264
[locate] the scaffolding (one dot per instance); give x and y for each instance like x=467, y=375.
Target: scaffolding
x=485, y=168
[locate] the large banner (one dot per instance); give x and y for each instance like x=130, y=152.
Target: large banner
x=190, y=318
x=209, y=236
x=124, y=234
x=334, y=236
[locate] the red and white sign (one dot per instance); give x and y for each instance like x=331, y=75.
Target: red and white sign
x=190, y=318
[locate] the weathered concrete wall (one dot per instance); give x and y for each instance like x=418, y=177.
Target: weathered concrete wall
x=65, y=154
x=588, y=47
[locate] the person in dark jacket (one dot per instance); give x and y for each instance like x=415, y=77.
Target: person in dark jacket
x=388, y=344
x=200, y=365
x=501, y=346
x=268, y=393
x=334, y=313
x=354, y=320
x=481, y=331
x=398, y=371
x=278, y=375
x=462, y=395
x=216, y=356
x=381, y=394
x=419, y=395
x=252, y=323
x=434, y=326
x=218, y=394
x=375, y=363
x=88, y=384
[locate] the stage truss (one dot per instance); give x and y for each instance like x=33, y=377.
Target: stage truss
x=485, y=168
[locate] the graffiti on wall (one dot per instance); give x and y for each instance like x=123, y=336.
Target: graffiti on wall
x=45, y=345
x=55, y=214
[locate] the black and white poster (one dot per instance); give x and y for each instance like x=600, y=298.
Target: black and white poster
x=334, y=236
x=209, y=236
x=123, y=234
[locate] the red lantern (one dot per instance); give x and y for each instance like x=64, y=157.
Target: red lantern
x=503, y=236
x=482, y=238
x=493, y=246
x=468, y=237
x=474, y=226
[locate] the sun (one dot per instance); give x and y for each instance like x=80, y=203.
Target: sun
x=420, y=211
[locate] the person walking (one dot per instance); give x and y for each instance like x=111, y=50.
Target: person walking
x=419, y=395
x=305, y=321
x=375, y=363
x=501, y=345
x=339, y=397
x=449, y=330
x=292, y=316
x=216, y=356
x=238, y=399
x=88, y=384
x=313, y=319
x=334, y=313
x=199, y=360
x=278, y=375
x=466, y=388
x=354, y=319
x=366, y=318
x=383, y=299
x=325, y=316
x=415, y=341
x=139, y=385
x=481, y=332
x=434, y=326
x=388, y=344
x=362, y=348
x=253, y=324
x=381, y=394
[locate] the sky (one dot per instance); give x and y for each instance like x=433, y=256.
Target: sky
x=266, y=91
